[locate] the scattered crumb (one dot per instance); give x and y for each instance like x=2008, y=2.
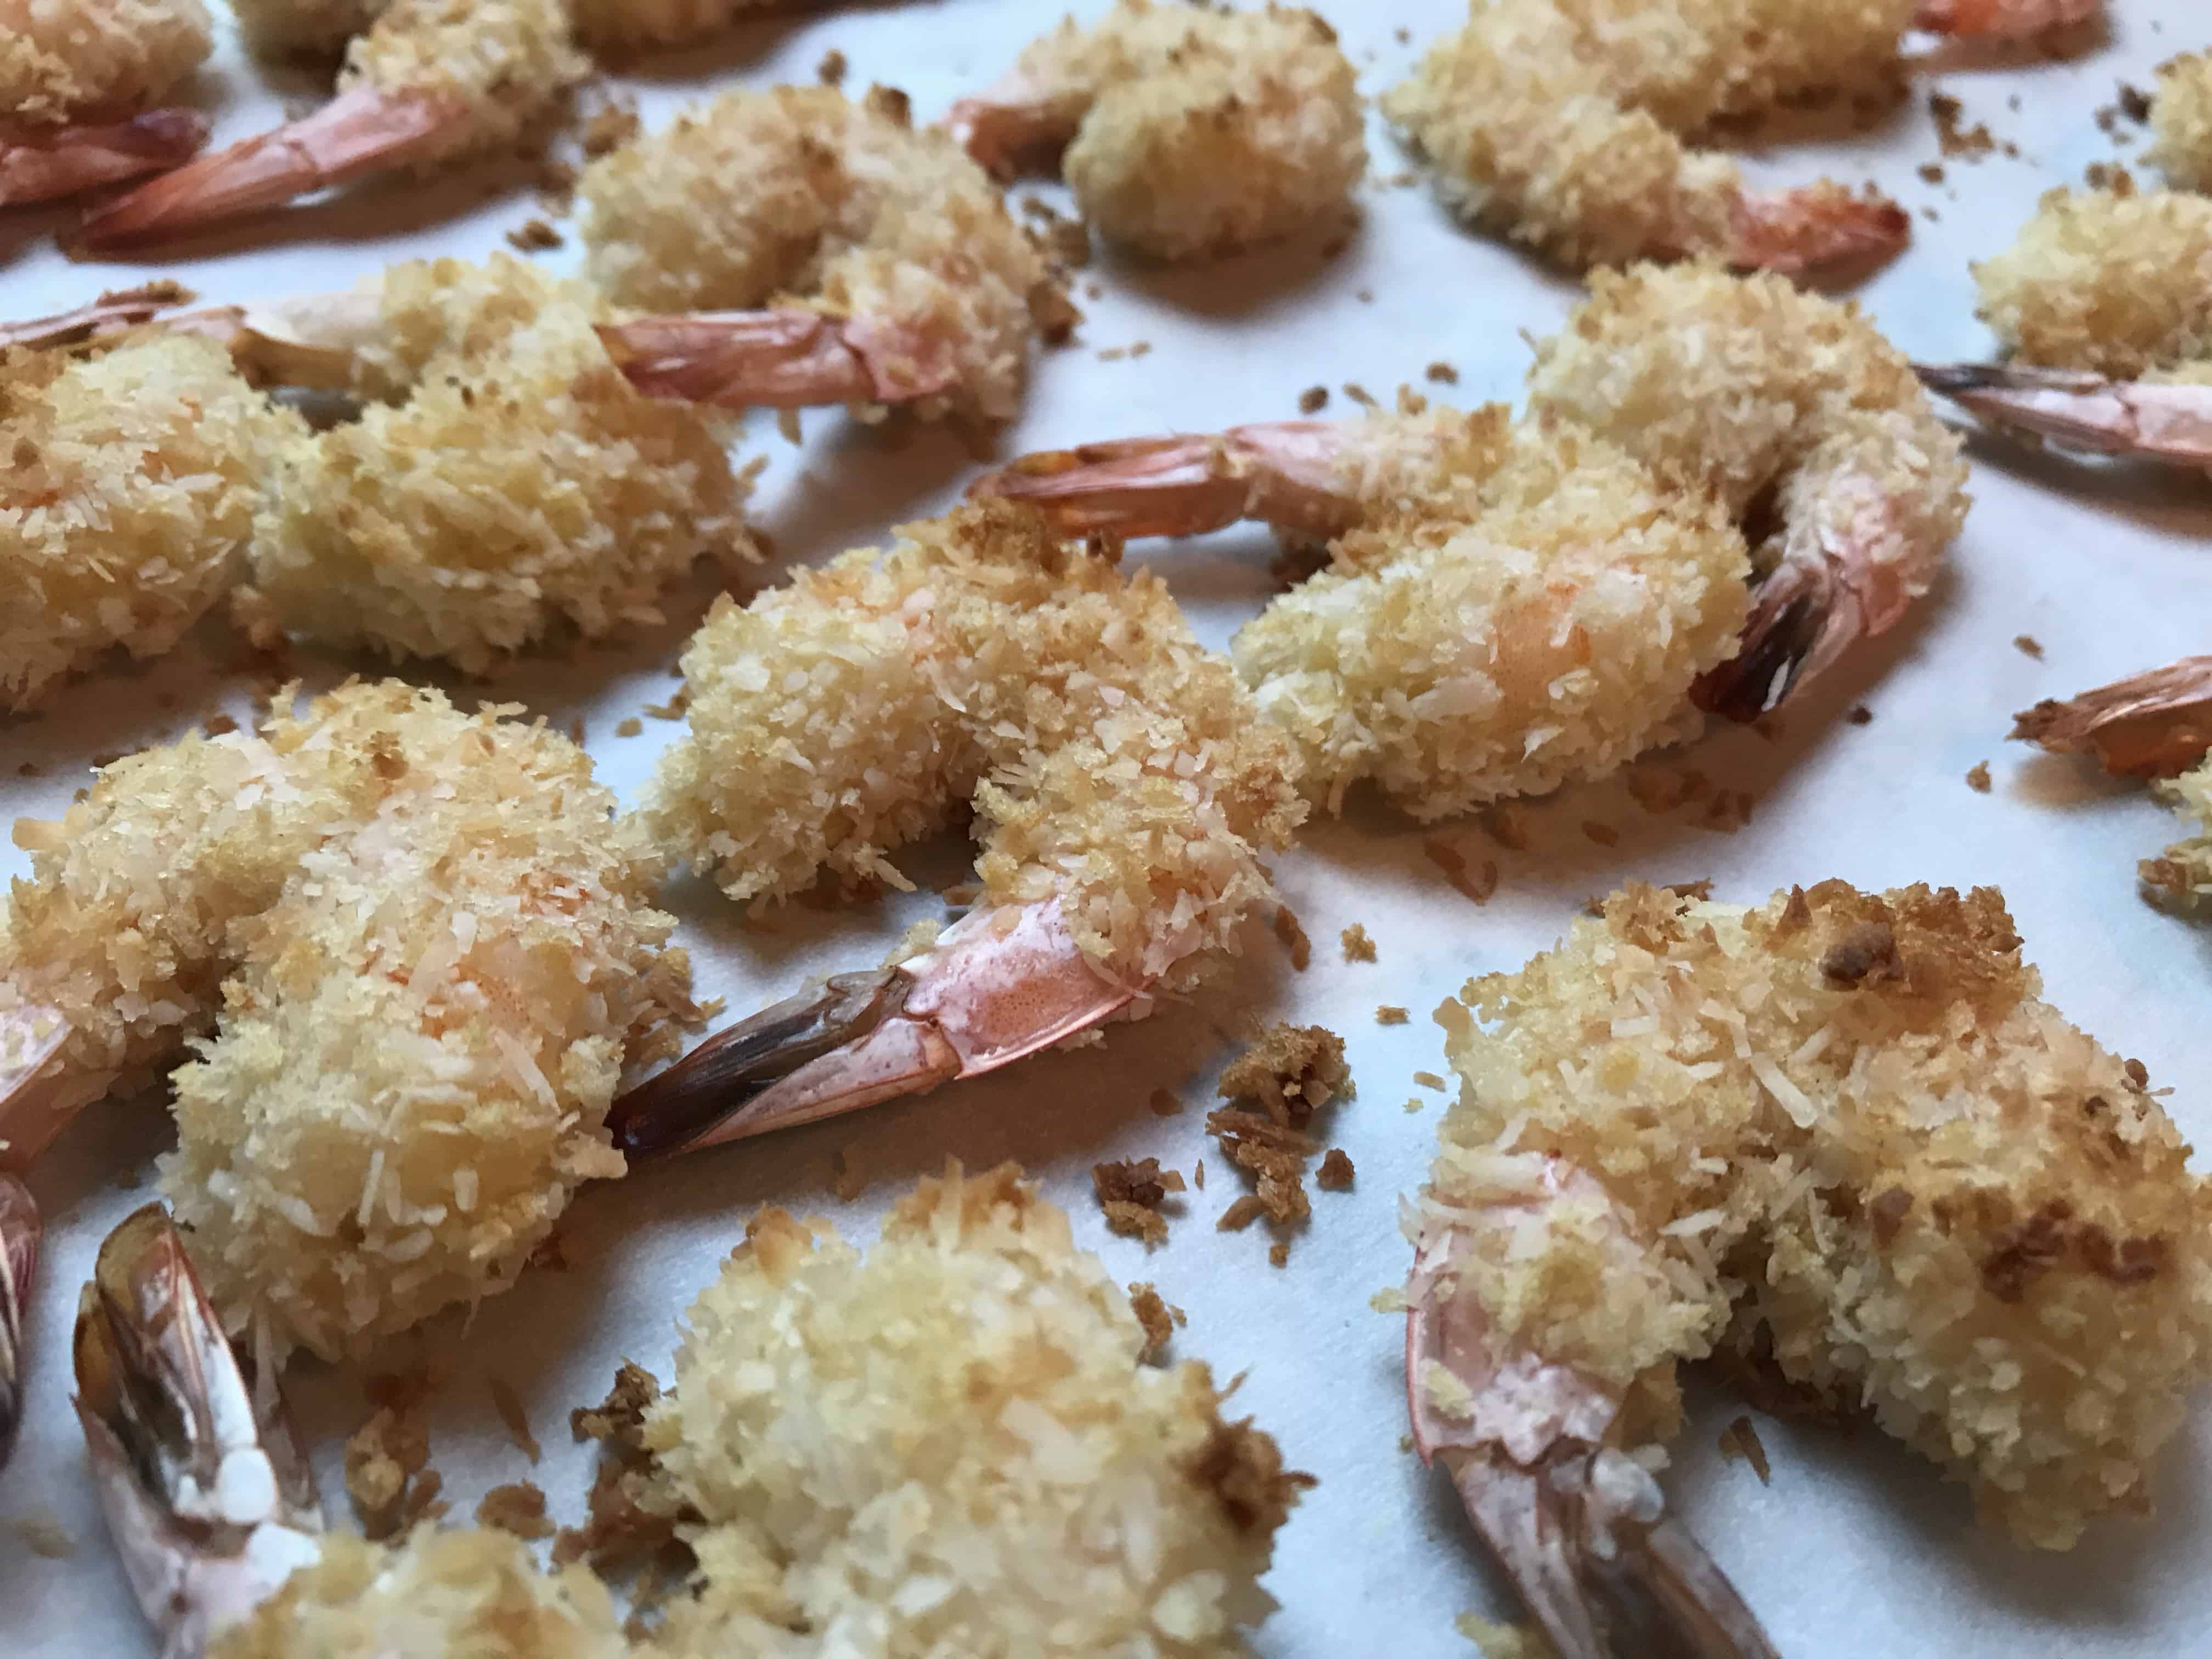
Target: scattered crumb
x=1478, y=882
x=1360, y=395
x=1165, y=1103
x=1292, y=1072
x=629, y=727
x=534, y=236
x=1442, y=373
x=519, y=1508
x=1603, y=834
x=2134, y=104
x=1859, y=714
x=1506, y=824
x=1240, y=1214
x=2029, y=646
x=1334, y=1174
x=1957, y=139
x=1139, y=348
x=1932, y=171
x=674, y=709
x=1978, y=779
x=2110, y=175
x=218, y=724
x=1741, y=1440
x=618, y=1530
x=617, y=1420
x=831, y=69
x=1428, y=1080
x=1293, y=937
x=1390, y=1299
x=44, y=1535
x=1130, y=1192
x=1158, y=1317
x=610, y=126
x=1313, y=400
x=1358, y=947
x=508, y=1405
x=386, y=1473
x=1415, y=1103
x=1112, y=354
x=1390, y=1014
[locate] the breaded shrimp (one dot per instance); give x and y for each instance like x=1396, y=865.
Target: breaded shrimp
x=1183, y=131
x=131, y=500
x=888, y=266
x=1126, y=788
x=1843, y=1127
x=432, y=81
x=408, y=950
x=1510, y=607
x=78, y=79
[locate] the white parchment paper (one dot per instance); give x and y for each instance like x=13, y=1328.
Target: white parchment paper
x=1857, y=1548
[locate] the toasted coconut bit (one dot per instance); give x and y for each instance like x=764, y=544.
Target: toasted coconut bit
x=1335, y=1172
x=1165, y=1103
x=1293, y=937
x=1739, y=1439
x=830, y=72
x=44, y=1535
x=1313, y=400
x=1978, y=777
x=385, y=1472
x=508, y=1404
x=1159, y=1319
x=1428, y=1080
x=674, y=709
x=2029, y=646
x=519, y=1508
x=1969, y=143
x=1358, y=947
x=1131, y=1193
x=1477, y=881
x=1279, y=1254
x=1390, y=1014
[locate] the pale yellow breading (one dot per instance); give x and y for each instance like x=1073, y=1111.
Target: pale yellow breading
x=1561, y=123
x=1845, y=1125
x=1111, y=760
x=646, y=24
x=2119, y=284
x=283, y=28
x=946, y=1445
x=2181, y=121
x=464, y=1595
x=797, y=195
x=422, y=942
x=499, y=66
x=522, y=486
x=1197, y=131
x=1525, y=606
x=71, y=59
x=130, y=492
x=2184, y=874
x=1788, y=409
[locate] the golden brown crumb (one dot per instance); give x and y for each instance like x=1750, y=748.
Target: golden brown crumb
x=1278, y=1253
x=674, y=709
x=1739, y=1439
x=1360, y=395
x=1955, y=138
x=1932, y=171
x=508, y=1405
x=1978, y=777
x=1131, y=1192
x=1442, y=373
x=534, y=236
x=1335, y=1172
x=386, y=1461
x=1391, y=1014
x=1313, y=400
x=1358, y=947
x=2029, y=646
x=628, y=727
x=1478, y=882
x=831, y=69
x=616, y=1419
x=1293, y=937
x=608, y=127
x=1428, y=1080
x=1159, y=1319
x=1291, y=1071
x=1165, y=1103
x=519, y=1508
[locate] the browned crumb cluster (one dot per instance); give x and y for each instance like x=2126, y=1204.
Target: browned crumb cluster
x=619, y=1532
x=1978, y=777
x=1131, y=1193
x=1290, y=1074
x=1158, y=1316
x=1293, y=938
x=1967, y=142
x=519, y=1508
x=1478, y=881
x=1390, y=1014
x=1358, y=947
x=387, y=1474
x=1335, y=1173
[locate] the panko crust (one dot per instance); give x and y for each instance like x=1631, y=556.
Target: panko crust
x=1111, y=760
x=67, y=61
x=2182, y=876
x=522, y=487
x=2181, y=121
x=798, y=195
x=1528, y=605
x=949, y=1443
x=498, y=66
x=2118, y=284
x=1560, y=123
x=1199, y=131
x=1843, y=1125
x=136, y=478
x=477, y=1594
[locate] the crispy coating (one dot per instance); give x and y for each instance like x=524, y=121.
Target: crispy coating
x=606, y=24
x=948, y=1446
x=496, y=65
x=1110, y=759
x=1561, y=123
x=522, y=486
x=1845, y=1124
x=1196, y=131
x=421, y=944
x=2184, y=875
x=71, y=59
x=2119, y=284
x=1788, y=409
x=288, y=28
x=132, y=489
x=2181, y=121
x=1524, y=605
x=798, y=195
x=477, y=1594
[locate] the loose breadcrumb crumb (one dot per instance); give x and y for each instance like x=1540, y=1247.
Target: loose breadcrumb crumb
x=1978, y=777
x=519, y=1508
x=2029, y=646
x=1159, y=1320
x=1335, y=1173
x=1358, y=947
x=1131, y=1192
x=1391, y=1014
x=386, y=1472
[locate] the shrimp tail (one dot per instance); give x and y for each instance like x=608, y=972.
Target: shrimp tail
x=2172, y=423
x=367, y=129
x=40, y=1088
x=2152, y=725
x=1821, y=224
x=2002, y=20
x=1791, y=619
x=43, y=167
x=1013, y=126
x=784, y=358
x=21, y=1229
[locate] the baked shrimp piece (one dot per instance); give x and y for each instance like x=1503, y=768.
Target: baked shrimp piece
x=839, y=256
x=131, y=500
x=1125, y=787
x=78, y=84
x=431, y=83
x=2157, y=725
x=1842, y=1128
x=1510, y=607
x=2104, y=307
x=1182, y=131
x=402, y=952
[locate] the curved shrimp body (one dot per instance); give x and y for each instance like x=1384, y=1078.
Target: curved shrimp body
x=1182, y=131
x=78, y=82
x=123, y=524
x=1562, y=123
x=1125, y=785
x=430, y=83
x=890, y=267
x=1842, y=1125
x=420, y=949
x=522, y=485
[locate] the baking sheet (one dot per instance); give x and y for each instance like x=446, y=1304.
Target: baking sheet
x=1857, y=1547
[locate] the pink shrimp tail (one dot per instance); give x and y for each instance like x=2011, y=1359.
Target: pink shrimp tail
x=2003, y=19
x=1821, y=224
x=43, y=167
x=779, y=359
x=362, y=131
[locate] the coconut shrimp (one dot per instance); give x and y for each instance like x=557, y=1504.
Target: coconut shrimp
x=1182, y=131
x=1842, y=1128
x=2156, y=726
x=78, y=83
x=888, y=268
x=1562, y=123
x=1125, y=785
x=1513, y=606
x=431, y=83
x=402, y=953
